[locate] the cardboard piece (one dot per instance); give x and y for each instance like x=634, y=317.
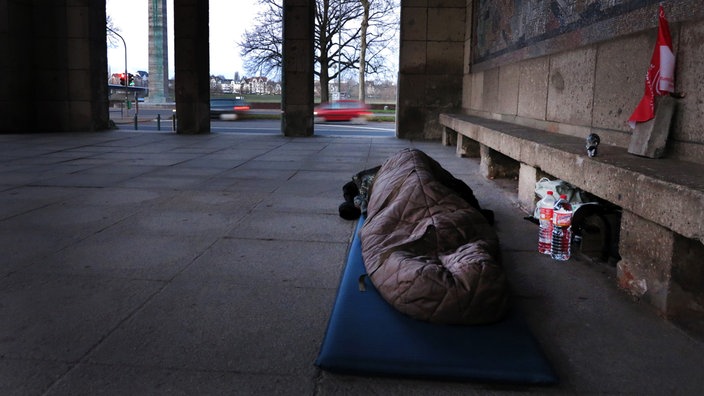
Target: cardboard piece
x=650, y=138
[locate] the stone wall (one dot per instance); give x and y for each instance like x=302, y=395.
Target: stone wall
x=587, y=78
x=594, y=87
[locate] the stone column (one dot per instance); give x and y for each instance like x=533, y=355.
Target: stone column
x=87, y=66
x=467, y=147
x=527, y=177
x=494, y=164
x=430, y=66
x=192, y=59
x=661, y=267
x=54, y=65
x=158, y=53
x=297, y=87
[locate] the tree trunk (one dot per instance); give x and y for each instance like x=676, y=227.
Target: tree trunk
x=363, y=51
x=322, y=49
x=324, y=82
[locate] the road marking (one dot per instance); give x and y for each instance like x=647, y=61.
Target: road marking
x=362, y=127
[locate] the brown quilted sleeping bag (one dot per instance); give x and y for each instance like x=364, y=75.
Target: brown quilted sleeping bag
x=429, y=252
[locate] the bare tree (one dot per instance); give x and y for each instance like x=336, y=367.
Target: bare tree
x=261, y=48
x=363, y=47
x=375, y=35
x=337, y=40
x=113, y=40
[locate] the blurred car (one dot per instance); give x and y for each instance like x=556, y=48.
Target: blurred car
x=228, y=109
x=342, y=110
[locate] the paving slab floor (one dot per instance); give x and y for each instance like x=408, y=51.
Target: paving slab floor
x=158, y=264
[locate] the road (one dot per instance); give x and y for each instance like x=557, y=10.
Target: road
x=148, y=123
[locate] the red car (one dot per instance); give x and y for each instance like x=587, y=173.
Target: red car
x=342, y=110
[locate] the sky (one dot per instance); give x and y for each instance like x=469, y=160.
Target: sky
x=228, y=21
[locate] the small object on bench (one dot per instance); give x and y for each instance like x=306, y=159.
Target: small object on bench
x=593, y=141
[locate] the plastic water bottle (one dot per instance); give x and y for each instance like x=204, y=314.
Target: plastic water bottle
x=545, y=209
x=561, y=229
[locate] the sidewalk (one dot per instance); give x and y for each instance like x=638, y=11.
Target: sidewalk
x=159, y=264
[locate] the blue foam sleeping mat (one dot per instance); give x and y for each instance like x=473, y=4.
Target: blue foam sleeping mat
x=367, y=336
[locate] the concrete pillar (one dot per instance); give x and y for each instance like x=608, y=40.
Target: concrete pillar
x=661, y=267
x=192, y=66
x=449, y=138
x=158, y=53
x=86, y=67
x=297, y=86
x=527, y=177
x=467, y=147
x=54, y=66
x=431, y=66
x=494, y=165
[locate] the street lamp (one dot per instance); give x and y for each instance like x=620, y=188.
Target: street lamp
x=125, y=44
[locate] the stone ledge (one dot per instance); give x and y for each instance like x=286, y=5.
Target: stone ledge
x=665, y=191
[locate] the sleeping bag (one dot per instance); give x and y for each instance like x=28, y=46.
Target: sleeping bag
x=426, y=246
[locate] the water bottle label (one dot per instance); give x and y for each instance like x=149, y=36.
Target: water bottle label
x=546, y=214
x=562, y=218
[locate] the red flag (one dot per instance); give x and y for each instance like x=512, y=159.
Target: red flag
x=660, y=78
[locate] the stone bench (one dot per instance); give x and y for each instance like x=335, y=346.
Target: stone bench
x=662, y=201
